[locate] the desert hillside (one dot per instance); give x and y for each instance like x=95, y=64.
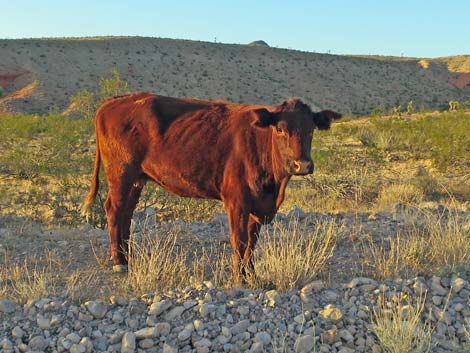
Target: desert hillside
x=40, y=75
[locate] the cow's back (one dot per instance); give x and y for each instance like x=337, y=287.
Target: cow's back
x=182, y=144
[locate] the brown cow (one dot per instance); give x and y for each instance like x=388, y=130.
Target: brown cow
x=243, y=155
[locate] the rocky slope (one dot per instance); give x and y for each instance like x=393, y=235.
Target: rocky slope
x=40, y=75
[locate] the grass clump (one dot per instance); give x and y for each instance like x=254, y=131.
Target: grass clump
x=399, y=193
x=430, y=243
x=291, y=256
x=399, y=327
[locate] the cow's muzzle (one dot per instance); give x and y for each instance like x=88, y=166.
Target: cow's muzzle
x=302, y=167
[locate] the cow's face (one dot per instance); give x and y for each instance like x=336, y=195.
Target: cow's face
x=292, y=125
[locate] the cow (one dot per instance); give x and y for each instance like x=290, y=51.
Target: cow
x=240, y=154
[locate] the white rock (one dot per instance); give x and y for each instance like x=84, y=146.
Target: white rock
x=162, y=328
x=147, y=332
x=128, y=343
x=43, y=323
x=273, y=297
x=263, y=337
x=457, y=284
x=174, y=313
x=332, y=313
x=169, y=349
x=304, y=344
x=346, y=335
x=73, y=337
x=160, y=307
x=240, y=327
x=77, y=348
x=96, y=308
x=7, y=306
x=38, y=343
x=198, y=325
x=184, y=335
x=146, y=343
x=17, y=332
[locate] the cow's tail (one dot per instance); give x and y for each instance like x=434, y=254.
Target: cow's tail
x=95, y=183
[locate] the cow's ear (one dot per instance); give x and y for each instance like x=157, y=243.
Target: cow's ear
x=324, y=118
x=264, y=118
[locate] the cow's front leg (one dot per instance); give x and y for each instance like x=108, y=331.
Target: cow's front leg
x=238, y=223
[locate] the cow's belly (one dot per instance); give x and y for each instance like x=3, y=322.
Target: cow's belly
x=184, y=184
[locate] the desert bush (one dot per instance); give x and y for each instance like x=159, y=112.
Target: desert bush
x=291, y=256
x=112, y=85
x=84, y=103
x=398, y=324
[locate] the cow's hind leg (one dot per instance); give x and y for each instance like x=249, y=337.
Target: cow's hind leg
x=116, y=214
x=238, y=223
x=132, y=200
x=254, y=228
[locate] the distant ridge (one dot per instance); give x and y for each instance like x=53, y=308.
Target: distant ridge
x=258, y=43
x=61, y=67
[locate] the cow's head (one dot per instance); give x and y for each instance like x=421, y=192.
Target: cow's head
x=292, y=125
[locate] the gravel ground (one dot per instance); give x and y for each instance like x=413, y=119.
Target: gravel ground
x=333, y=315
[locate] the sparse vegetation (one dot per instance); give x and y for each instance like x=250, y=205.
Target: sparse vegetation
x=399, y=327
x=293, y=256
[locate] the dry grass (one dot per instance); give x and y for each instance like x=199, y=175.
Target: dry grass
x=46, y=277
x=430, y=242
x=399, y=193
x=159, y=263
x=398, y=325
x=291, y=256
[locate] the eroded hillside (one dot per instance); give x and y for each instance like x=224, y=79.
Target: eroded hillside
x=40, y=75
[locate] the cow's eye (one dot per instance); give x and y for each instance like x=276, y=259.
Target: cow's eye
x=279, y=130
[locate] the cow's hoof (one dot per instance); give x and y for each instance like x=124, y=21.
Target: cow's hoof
x=120, y=268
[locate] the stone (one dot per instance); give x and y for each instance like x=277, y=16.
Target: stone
x=146, y=343
x=263, y=337
x=162, y=328
x=43, y=323
x=330, y=336
x=437, y=300
x=169, y=349
x=97, y=308
x=313, y=287
x=437, y=288
x=304, y=344
x=198, y=325
x=118, y=300
x=457, y=284
x=7, y=306
x=38, y=343
x=346, y=335
x=77, y=348
x=160, y=307
x=331, y=313
x=257, y=347
x=240, y=327
x=174, y=313
x=17, y=332
x=297, y=212
x=184, y=335
x=146, y=332
x=73, y=337
x=128, y=343
x=273, y=297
